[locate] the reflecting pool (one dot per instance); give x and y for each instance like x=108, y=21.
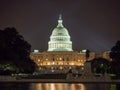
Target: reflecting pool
x=57, y=86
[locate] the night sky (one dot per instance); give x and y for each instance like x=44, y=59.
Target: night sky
x=92, y=24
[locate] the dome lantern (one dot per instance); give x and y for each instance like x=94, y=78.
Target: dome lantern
x=60, y=21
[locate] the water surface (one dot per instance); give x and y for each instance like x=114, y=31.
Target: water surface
x=56, y=86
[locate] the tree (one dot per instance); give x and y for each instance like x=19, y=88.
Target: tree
x=100, y=65
x=87, y=54
x=15, y=50
x=115, y=55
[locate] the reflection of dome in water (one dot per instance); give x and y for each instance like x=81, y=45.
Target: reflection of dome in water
x=60, y=39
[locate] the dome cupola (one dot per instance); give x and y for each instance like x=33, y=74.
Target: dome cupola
x=60, y=38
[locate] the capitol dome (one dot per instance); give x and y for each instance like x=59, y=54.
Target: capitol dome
x=60, y=38
x=60, y=31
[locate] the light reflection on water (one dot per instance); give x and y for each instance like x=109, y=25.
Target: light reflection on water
x=58, y=86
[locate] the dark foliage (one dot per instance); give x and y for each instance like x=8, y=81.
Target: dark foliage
x=15, y=50
x=87, y=53
x=115, y=55
x=100, y=65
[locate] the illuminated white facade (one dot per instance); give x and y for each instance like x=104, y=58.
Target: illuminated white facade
x=60, y=56
x=60, y=38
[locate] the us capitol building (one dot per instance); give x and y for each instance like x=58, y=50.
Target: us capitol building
x=60, y=57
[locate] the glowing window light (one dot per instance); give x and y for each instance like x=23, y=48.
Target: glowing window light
x=36, y=51
x=82, y=64
x=60, y=58
x=38, y=60
x=72, y=63
x=82, y=68
x=60, y=63
x=48, y=63
x=53, y=63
